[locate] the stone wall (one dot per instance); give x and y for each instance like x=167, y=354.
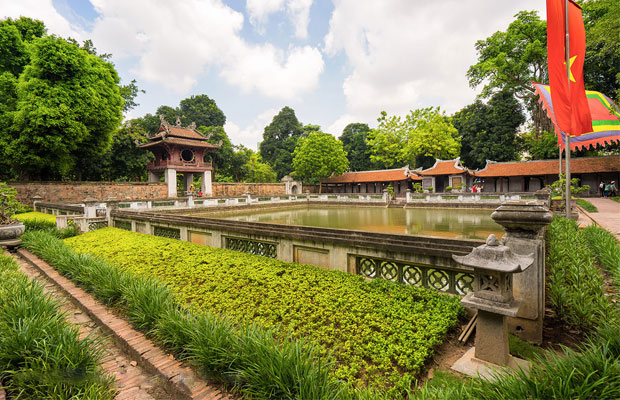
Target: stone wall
x=78, y=191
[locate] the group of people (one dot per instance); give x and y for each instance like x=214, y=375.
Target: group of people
x=476, y=188
x=192, y=191
x=608, y=189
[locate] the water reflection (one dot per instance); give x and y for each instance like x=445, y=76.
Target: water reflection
x=452, y=223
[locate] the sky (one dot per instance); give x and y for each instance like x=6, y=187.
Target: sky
x=333, y=62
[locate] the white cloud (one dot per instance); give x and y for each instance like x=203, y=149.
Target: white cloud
x=405, y=54
x=297, y=10
x=42, y=10
x=176, y=42
x=251, y=134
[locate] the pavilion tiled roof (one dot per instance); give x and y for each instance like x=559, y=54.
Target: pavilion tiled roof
x=549, y=167
x=385, y=175
x=179, y=135
x=445, y=167
x=181, y=142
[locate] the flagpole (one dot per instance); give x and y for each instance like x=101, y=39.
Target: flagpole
x=567, y=141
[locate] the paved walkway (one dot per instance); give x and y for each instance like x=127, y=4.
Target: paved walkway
x=608, y=215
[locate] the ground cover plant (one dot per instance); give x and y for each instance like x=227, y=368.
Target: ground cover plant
x=589, y=207
x=37, y=221
x=380, y=333
x=254, y=361
x=41, y=354
x=605, y=248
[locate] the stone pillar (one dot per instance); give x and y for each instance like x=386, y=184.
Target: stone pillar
x=524, y=223
x=170, y=176
x=207, y=188
x=153, y=177
x=188, y=180
x=90, y=207
x=35, y=200
x=111, y=205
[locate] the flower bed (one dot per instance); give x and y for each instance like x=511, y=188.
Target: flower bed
x=379, y=332
x=36, y=216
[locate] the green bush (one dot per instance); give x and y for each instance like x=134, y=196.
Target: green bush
x=574, y=284
x=37, y=221
x=41, y=354
x=589, y=207
x=606, y=249
x=380, y=333
x=250, y=359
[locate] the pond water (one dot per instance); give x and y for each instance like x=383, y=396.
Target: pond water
x=441, y=222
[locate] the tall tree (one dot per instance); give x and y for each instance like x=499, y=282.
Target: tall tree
x=279, y=141
x=512, y=59
x=488, y=131
x=318, y=156
x=67, y=100
x=202, y=110
x=353, y=139
x=425, y=133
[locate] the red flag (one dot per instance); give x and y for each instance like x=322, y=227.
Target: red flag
x=569, y=100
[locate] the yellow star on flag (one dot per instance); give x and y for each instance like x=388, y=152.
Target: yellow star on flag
x=570, y=70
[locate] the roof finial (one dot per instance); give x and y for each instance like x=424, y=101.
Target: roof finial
x=178, y=123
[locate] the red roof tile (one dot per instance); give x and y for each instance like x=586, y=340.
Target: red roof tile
x=386, y=175
x=180, y=141
x=445, y=167
x=549, y=167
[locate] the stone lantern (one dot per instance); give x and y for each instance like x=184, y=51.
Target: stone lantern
x=494, y=265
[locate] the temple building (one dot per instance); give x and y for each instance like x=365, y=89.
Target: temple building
x=512, y=176
x=401, y=179
x=179, y=149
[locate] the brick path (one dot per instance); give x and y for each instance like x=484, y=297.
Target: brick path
x=142, y=370
x=608, y=215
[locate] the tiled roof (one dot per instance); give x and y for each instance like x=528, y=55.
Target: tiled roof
x=445, y=167
x=179, y=131
x=385, y=175
x=550, y=167
x=180, y=141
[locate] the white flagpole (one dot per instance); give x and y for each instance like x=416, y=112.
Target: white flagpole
x=567, y=141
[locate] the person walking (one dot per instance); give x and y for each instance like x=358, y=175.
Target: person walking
x=612, y=192
x=607, y=190
x=601, y=188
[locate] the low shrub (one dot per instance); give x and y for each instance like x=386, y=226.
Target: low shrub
x=589, y=207
x=41, y=354
x=250, y=359
x=380, y=333
x=37, y=221
x=574, y=284
x=605, y=248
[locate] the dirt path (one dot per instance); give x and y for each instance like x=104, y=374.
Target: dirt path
x=132, y=381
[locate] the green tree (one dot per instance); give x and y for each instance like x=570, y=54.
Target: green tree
x=489, y=131
x=67, y=101
x=279, y=141
x=602, y=64
x=425, y=133
x=540, y=147
x=202, y=110
x=353, y=139
x=318, y=156
x=511, y=60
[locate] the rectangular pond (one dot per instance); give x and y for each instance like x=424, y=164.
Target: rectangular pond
x=440, y=222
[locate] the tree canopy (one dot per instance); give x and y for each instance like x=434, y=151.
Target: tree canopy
x=318, y=156
x=279, y=141
x=489, y=131
x=425, y=132
x=353, y=140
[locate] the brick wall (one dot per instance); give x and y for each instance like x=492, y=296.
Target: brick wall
x=255, y=189
x=78, y=191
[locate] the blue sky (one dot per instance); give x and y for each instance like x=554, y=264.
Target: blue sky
x=332, y=62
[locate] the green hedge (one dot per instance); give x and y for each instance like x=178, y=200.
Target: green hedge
x=380, y=333
x=37, y=221
x=41, y=354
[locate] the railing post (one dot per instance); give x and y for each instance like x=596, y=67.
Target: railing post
x=524, y=223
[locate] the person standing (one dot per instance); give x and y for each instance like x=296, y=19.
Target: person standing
x=612, y=191
x=601, y=188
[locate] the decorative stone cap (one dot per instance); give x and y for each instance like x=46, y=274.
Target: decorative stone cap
x=494, y=256
x=90, y=200
x=529, y=216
